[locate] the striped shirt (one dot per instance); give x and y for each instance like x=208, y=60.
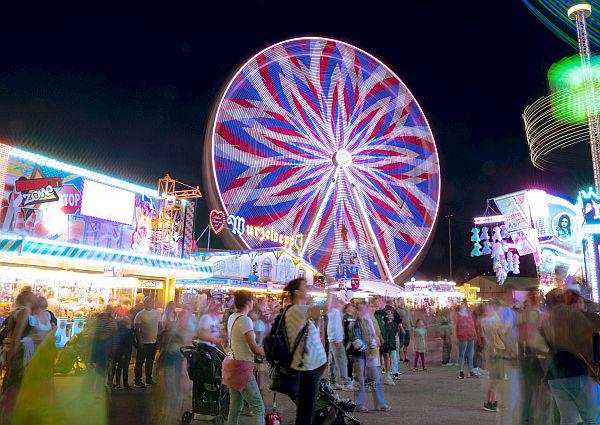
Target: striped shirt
x=314, y=357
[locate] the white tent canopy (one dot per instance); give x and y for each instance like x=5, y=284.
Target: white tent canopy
x=377, y=287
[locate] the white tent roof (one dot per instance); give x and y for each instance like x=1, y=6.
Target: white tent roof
x=382, y=288
x=379, y=287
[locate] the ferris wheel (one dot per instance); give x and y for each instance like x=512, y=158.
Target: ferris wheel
x=316, y=138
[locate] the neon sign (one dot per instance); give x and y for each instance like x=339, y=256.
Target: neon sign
x=239, y=227
x=589, y=202
x=37, y=191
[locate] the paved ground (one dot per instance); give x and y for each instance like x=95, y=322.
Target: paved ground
x=432, y=397
x=435, y=396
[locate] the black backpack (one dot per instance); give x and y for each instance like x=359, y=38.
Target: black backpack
x=277, y=349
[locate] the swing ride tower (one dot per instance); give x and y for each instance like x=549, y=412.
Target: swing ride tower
x=579, y=13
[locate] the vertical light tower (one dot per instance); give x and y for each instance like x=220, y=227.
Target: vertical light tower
x=579, y=13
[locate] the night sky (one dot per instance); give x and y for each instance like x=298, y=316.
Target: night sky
x=129, y=92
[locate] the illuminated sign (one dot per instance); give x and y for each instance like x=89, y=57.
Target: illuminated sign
x=69, y=199
x=217, y=221
x=515, y=209
x=589, y=201
x=151, y=284
x=238, y=226
x=526, y=241
x=37, y=191
x=237, y=223
x=110, y=271
x=107, y=202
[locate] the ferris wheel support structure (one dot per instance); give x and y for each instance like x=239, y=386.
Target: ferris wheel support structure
x=314, y=221
x=371, y=235
x=579, y=14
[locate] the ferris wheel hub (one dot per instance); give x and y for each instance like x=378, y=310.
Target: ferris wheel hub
x=342, y=158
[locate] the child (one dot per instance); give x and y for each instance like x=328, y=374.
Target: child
x=123, y=352
x=388, y=348
x=420, y=335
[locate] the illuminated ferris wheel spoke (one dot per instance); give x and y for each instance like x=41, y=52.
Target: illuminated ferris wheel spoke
x=314, y=135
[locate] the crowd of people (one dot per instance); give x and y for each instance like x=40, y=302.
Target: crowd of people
x=538, y=354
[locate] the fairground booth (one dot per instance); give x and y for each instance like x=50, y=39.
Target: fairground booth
x=84, y=239
x=431, y=295
x=532, y=222
x=262, y=271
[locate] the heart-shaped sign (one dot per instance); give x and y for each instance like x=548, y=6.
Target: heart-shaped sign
x=217, y=221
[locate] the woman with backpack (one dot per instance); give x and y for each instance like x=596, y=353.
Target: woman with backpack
x=309, y=359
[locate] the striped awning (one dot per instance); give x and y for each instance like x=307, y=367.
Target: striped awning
x=10, y=245
x=26, y=246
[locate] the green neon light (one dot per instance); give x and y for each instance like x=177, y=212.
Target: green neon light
x=565, y=78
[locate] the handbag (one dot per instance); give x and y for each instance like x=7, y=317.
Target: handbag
x=236, y=373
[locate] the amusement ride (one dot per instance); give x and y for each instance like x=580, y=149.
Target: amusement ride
x=317, y=141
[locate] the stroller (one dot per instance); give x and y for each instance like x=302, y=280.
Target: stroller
x=209, y=397
x=330, y=409
x=333, y=410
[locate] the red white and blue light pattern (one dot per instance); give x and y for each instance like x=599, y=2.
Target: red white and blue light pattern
x=313, y=135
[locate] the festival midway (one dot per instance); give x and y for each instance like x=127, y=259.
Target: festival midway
x=210, y=217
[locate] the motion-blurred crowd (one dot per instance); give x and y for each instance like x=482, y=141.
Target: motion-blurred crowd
x=539, y=358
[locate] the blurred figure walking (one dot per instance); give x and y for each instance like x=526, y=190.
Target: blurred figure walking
x=105, y=329
x=338, y=363
x=123, y=353
x=466, y=334
x=445, y=332
x=310, y=359
x=365, y=359
x=407, y=326
x=17, y=349
x=571, y=375
x=146, y=332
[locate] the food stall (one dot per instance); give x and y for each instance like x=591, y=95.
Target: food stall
x=420, y=294
x=470, y=293
x=263, y=271
x=84, y=239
